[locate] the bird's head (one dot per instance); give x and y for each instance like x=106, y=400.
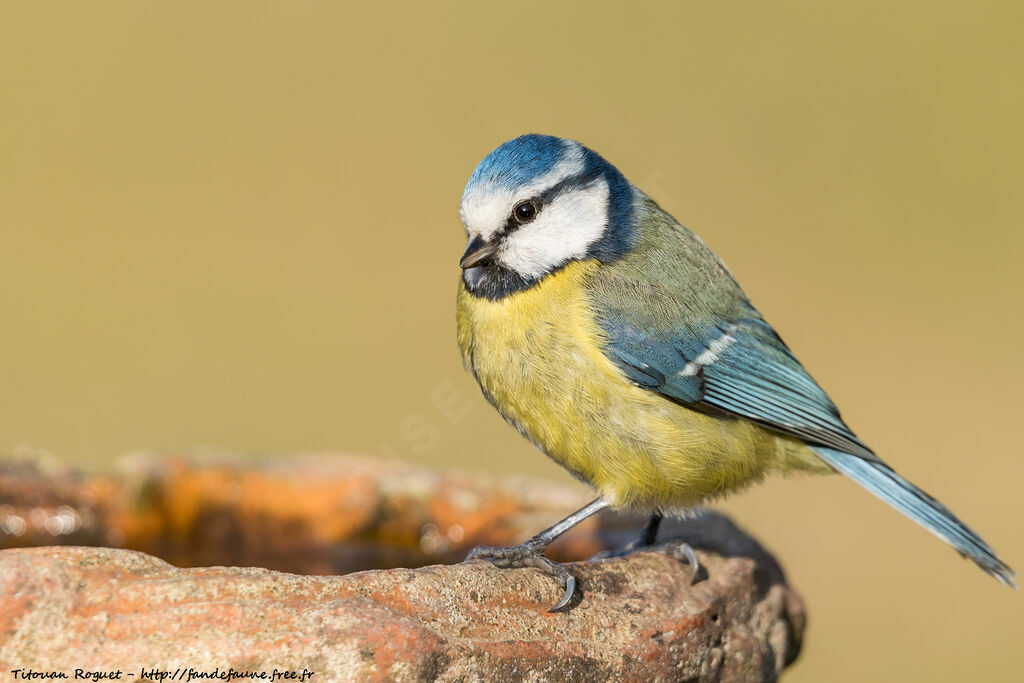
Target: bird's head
x=535, y=204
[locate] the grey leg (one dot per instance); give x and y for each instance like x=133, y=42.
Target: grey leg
x=531, y=553
x=646, y=539
x=650, y=533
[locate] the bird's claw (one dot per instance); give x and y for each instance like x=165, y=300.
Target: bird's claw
x=527, y=555
x=684, y=551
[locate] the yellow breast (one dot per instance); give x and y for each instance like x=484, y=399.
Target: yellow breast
x=537, y=355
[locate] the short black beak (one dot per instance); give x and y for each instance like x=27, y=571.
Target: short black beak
x=478, y=253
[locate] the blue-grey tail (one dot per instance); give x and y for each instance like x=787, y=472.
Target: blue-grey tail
x=877, y=478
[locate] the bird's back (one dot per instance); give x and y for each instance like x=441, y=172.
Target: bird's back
x=669, y=278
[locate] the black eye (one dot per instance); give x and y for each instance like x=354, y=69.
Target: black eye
x=524, y=212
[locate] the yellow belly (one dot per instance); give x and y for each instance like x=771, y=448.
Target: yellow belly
x=537, y=354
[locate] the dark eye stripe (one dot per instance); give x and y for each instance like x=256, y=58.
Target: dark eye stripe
x=571, y=183
x=546, y=197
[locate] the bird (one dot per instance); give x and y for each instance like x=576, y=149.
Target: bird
x=615, y=340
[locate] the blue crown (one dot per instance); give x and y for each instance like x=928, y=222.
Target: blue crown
x=517, y=162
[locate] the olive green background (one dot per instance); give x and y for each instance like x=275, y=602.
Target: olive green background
x=233, y=224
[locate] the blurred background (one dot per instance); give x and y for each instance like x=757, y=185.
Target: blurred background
x=235, y=225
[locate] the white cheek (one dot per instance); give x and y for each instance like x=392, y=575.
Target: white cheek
x=564, y=230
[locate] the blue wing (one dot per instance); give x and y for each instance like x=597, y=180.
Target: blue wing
x=740, y=368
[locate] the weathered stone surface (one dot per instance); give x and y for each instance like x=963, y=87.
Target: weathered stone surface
x=638, y=618
x=99, y=609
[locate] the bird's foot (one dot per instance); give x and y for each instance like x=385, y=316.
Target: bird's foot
x=679, y=550
x=628, y=549
x=529, y=555
x=646, y=539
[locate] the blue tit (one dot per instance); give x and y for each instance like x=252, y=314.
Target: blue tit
x=615, y=340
